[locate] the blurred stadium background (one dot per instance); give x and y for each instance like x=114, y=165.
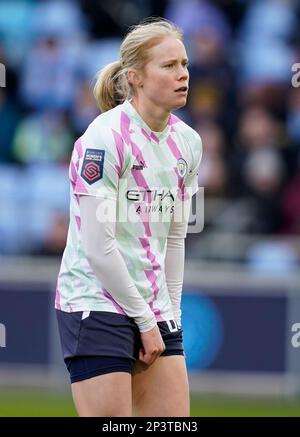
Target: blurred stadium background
x=242, y=288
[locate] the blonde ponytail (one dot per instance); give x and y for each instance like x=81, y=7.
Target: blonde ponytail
x=111, y=87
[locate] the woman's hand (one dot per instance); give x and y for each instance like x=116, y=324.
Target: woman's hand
x=153, y=346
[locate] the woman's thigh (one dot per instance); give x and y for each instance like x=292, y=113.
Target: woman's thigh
x=161, y=390
x=107, y=395
x=99, y=350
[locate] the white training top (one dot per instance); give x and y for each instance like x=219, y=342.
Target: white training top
x=120, y=158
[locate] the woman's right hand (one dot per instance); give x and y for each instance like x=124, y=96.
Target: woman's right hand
x=153, y=346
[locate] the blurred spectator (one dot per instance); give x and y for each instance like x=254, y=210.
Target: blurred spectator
x=291, y=206
x=293, y=117
x=9, y=117
x=234, y=11
x=16, y=28
x=264, y=41
x=197, y=16
x=263, y=172
x=205, y=102
x=48, y=75
x=213, y=171
x=9, y=106
x=50, y=19
x=54, y=241
x=265, y=53
x=111, y=18
x=84, y=108
x=43, y=137
x=258, y=131
x=258, y=170
x=94, y=55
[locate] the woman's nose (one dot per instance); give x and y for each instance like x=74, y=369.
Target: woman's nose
x=183, y=72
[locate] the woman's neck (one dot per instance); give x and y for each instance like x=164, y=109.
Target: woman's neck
x=155, y=118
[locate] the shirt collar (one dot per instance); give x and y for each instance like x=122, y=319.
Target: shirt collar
x=138, y=120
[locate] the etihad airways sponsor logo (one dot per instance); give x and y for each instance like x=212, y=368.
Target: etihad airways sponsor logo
x=149, y=195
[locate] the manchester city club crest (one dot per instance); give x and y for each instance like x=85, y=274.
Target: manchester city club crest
x=182, y=167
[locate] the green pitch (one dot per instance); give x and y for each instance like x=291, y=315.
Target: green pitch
x=42, y=403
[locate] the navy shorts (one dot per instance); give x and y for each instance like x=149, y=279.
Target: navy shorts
x=98, y=342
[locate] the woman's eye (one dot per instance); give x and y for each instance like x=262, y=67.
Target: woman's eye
x=169, y=65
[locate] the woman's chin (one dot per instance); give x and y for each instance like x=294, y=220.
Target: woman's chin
x=180, y=103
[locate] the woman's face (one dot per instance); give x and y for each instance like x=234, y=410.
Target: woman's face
x=165, y=77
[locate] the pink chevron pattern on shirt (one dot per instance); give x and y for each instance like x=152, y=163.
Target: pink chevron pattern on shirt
x=148, y=163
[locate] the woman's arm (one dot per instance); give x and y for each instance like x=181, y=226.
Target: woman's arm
x=108, y=265
x=174, y=262
x=101, y=249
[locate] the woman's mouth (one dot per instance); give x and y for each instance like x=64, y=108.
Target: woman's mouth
x=182, y=90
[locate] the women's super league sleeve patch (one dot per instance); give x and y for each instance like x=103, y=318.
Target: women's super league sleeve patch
x=92, y=167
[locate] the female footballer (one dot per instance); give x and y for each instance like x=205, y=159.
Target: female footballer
x=133, y=173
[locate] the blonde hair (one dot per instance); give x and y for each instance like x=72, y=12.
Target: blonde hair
x=112, y=86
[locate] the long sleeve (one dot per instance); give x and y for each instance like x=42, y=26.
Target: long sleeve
x=106, y=261
x=174, y=262
x=174, y=266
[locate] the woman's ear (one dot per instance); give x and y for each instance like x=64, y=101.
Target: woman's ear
x=134, y=78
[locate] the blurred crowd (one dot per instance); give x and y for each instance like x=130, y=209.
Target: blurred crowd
x=241, y=101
